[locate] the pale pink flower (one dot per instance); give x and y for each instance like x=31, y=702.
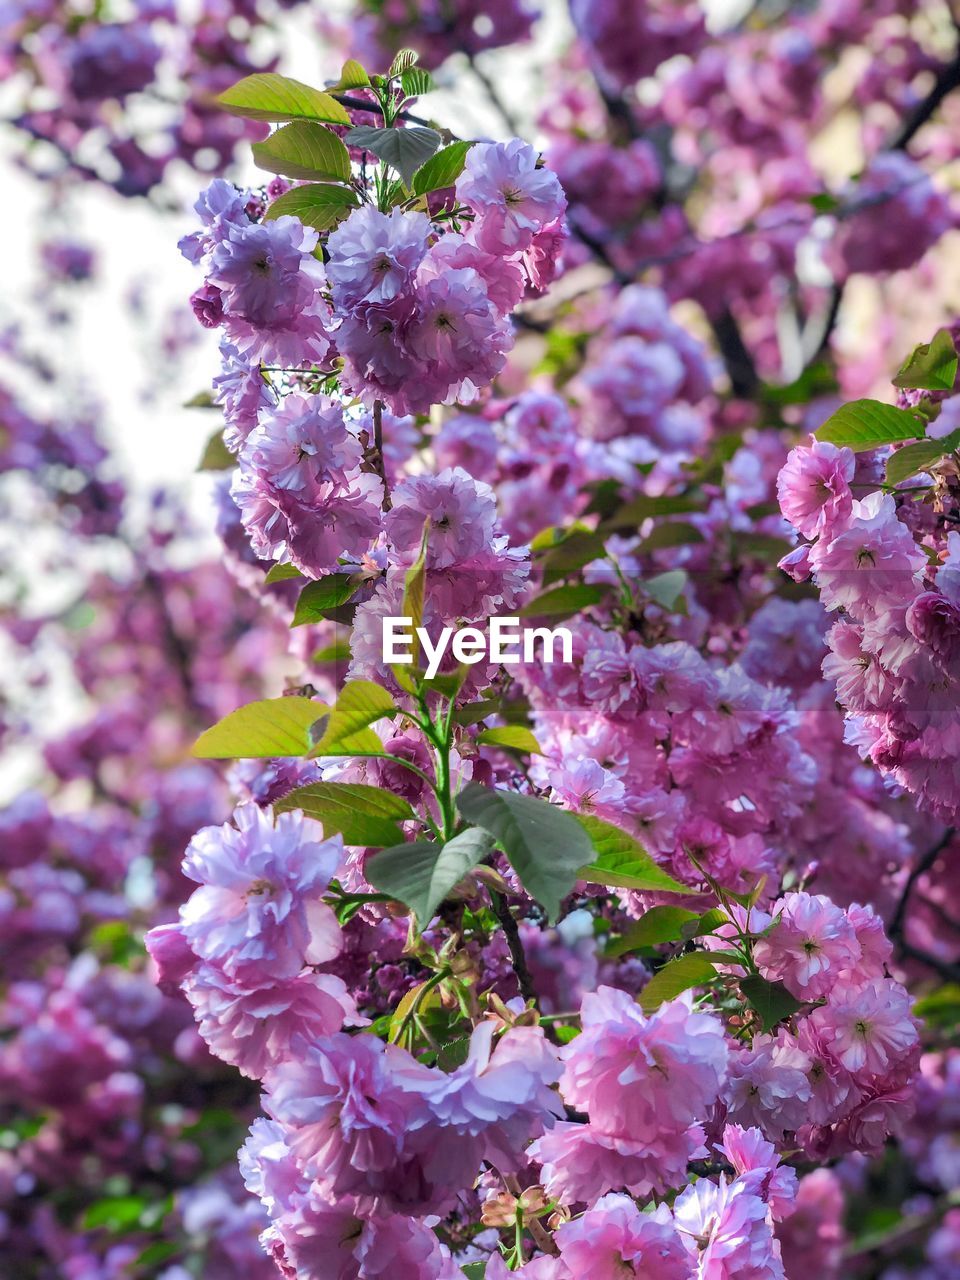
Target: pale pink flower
x=756, y=1163
x=614, y=1239
x=643, y=1077
x=810, y=943
x=868, y=1029
x=259, y=912
x=727, y=1232
x=814, y=487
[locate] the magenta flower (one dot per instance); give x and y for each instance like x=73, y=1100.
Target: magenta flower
x=814, y=487
x=512, y=198
x=259, y=911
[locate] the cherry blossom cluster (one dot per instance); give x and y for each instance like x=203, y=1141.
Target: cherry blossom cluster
x=888, y=567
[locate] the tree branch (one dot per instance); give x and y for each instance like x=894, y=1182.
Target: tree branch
x=897, y=927
x=517, y=954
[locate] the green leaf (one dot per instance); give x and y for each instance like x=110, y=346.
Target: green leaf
x=709, y=922
x=126, y=1213
x=906, y=462
x=304, y=150
x=352, y=76
x=361, y=702
x=339, y=651
x=771, y=1000
x=659, y=924
x=474, y=1270
x=262, y=730
x=545, y=845
x=267, y=96
x=441, y=170
x=619, y=859
x=867, y=424
x=824, y=202
x=422, y=874
x=676, y=533
x=515, y=737
x=565, y=601
x=634, y=512
x=941, y=1007
x=363, y=815
x=679, y=975
x=577, y=548
x=930, y=367
x=319, y=598
x=667, y=588
x=406, y=150
x=216, y=456
x=416, y=81
x=281, y=573
x=320, y=205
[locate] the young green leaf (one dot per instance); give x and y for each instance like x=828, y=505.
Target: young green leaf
x=565, y=601
x=262, y=730
x=281, y=573
x=515, y=737
x=639, y=509
x=319, y=598
x=692, y=970
x=352, y=76
x=932, y=366
x=406, y=150
x=416, y=81
x=216, y=456
x=922, y=456
x=267, y=96
x=620, y=860
x=659, y=924
x=321, y=205
x=405, y=58
x=422, y=874
x=361, y=703
x=545, y=845
x=441, y=170
x=414, y=589
x=304, y=150
x=771, y=1000
x=867, y=424
x=667, y=588
x=363, y=815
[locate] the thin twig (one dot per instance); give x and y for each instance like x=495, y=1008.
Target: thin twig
x=379, y=460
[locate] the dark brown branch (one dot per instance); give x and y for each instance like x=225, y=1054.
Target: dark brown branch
x=947, y=80
x=898, y=921
x=740, y=367
x=378, y=460
x=518, y=956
